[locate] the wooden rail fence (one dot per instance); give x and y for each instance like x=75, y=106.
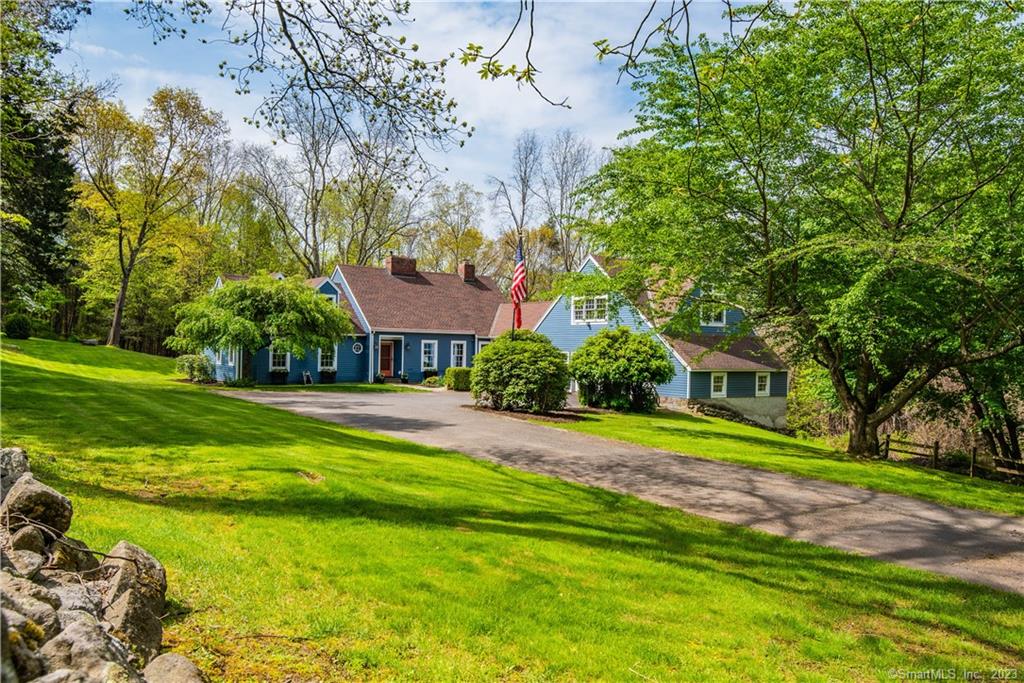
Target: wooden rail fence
x=931, y=451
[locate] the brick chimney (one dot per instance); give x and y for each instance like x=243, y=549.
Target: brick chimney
x=400, y=265
x=467, y=271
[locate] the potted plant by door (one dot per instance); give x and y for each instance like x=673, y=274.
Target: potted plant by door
x=279, y=376
x=379, y=378
x=404, y=377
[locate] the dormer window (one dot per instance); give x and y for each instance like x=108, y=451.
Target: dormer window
x=589, y=309
x=713, y=319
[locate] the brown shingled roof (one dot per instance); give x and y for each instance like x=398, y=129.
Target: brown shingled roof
x=746, y=353
x=533, y=311
x=441, y=302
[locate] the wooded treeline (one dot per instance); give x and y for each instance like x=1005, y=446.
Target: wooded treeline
x=124, y=218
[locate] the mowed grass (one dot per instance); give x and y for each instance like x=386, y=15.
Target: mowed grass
x=708, y=437
x=300, y=550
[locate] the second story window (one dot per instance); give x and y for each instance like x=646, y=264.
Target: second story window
x=589, y=309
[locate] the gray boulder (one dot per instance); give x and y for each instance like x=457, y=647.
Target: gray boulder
x=86, y=647
x=21, y=640
x=29, y=499
x=172, y=668
x=13, y=464
x=73, y=595
x=20, y=596
x=25, y=562
x=130, y=567
x=72, y=555
x=28, y=538
x=63, y=676
x=134, y=622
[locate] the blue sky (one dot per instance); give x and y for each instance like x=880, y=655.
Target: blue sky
x=109, y=46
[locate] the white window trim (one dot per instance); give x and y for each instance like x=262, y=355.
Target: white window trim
x=320, y=363
x=481, y=344
x=395, y=339
x=231, y=357
x=767, y=386
x=725, y=385
x=423, y=345
x=287, y=362
x=465, y=355
x=704, y=322
x=585, y=321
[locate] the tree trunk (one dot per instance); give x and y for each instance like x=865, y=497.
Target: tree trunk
x=114, y=338
x=863, y=435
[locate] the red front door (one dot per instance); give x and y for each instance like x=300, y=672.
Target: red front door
x=387, y=358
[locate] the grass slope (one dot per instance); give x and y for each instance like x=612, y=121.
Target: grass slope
x=302, y=550
x=717, y=439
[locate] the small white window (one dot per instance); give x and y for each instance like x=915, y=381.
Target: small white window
x=218, y=357
x=458, y=354
x=713, y=319
x=278, y=360
x=589, y=309
x=428, y=355
x=480, y=345
x=327, y=357
x=719, y=386
x=231, y=357
x=762, y=386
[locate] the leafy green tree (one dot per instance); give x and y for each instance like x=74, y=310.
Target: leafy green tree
x=258, y=312
x=139, y=174
x=520, y=370
x=37, y=114
x=846, y=174
x=620, y=369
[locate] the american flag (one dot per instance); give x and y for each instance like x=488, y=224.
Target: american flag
x=518, y=293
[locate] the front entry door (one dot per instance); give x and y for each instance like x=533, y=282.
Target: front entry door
x=387, y=358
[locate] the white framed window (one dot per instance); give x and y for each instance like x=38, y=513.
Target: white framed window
x=713, y=319
x=481, y=344
x=589, y=309
x=762, y=384
x=719, y=384
x=458, y=354
x=279, y=360
x=231, y=357
x=218, y=357
x=328, y=359
x=428, y=354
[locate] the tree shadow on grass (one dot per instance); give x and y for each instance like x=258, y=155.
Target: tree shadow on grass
x=828, y=578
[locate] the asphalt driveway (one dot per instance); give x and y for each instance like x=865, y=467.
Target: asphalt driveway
x=975, y=546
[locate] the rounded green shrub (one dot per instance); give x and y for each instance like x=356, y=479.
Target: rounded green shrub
x=521, y=371
x=619, y=369
x=17, y=326
x=196, y=366
x=457, y=379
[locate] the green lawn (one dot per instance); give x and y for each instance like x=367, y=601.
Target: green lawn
x=717, y=439
x=302, y=550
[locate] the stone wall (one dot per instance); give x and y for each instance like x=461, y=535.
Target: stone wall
x=766, y=412
x=67, y=616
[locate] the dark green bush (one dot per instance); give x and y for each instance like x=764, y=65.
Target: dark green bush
x=620, y=369
x=18, y=326
x=432, y=381
x=240, y=382
x=521, y=371
x=457, y=379
x=196, y=366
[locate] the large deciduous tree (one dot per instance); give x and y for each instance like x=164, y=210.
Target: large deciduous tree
x=849, y=175
x=142, y=172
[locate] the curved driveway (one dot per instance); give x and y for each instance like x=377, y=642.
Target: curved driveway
x=975, y=546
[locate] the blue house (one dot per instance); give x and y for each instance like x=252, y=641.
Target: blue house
x=407, y=322
x=745, y=376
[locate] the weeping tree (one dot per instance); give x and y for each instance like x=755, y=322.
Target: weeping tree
x=261, y=311
x=849, y=176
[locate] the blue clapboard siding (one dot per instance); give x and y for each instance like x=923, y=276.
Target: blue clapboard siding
x=412, y=357
x=737, y=384
x=224, y=370
x=351, y=366
x=779, y=384
x=557, y=326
